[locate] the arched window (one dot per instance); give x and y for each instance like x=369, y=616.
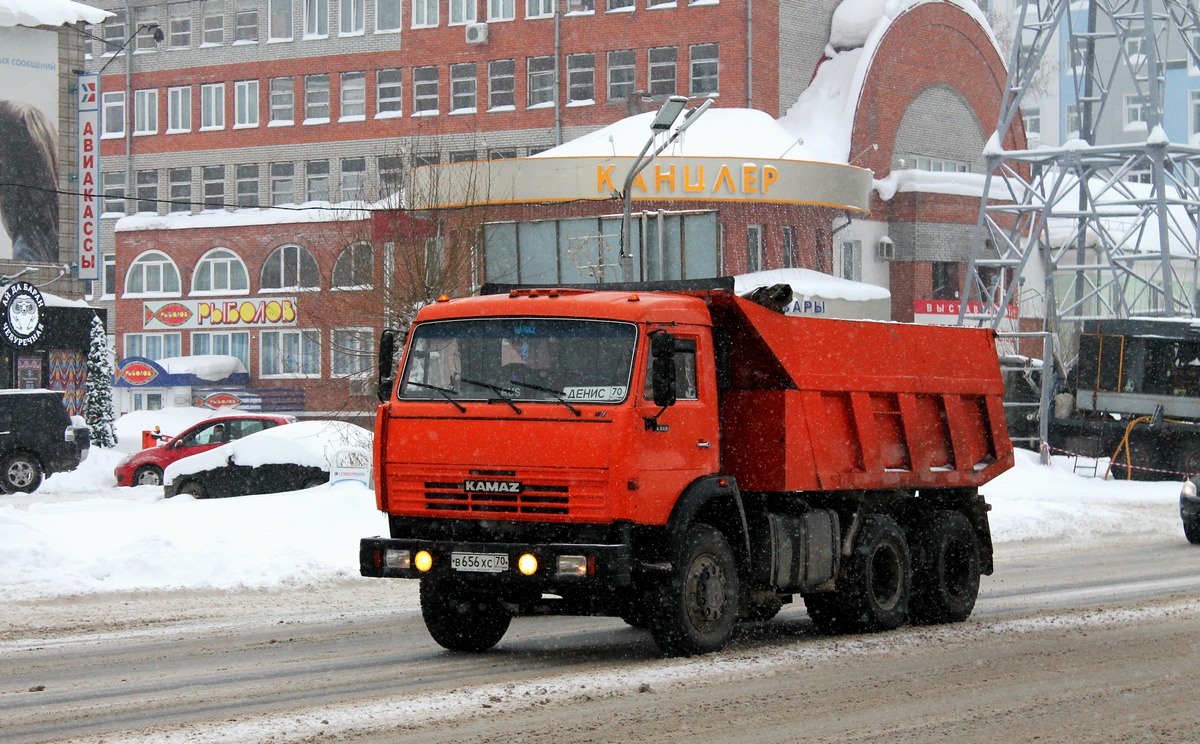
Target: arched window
x=354, y=269
x=291, y=267
x=152, y=273
x=220, y=271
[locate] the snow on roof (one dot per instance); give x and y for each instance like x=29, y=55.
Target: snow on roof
x=308, y=212
x=56, y=301
x=809, y=283
x=211, y=367
x=961, y=184
x=311, y=443
x=47, y=13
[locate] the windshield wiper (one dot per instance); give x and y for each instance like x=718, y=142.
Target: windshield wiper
x=444, y=391
x=558, y=395
x=503, y=391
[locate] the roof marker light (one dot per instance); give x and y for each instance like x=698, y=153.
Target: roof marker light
x=634, y=298
x=443, y=298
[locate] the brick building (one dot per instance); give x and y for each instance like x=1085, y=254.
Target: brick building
x=321, y=107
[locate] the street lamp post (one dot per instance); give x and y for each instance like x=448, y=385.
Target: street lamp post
x=663, y=122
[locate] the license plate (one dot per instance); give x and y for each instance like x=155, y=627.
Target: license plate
x=480, y=562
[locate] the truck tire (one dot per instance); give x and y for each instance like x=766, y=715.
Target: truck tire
x=697, y=608
x=461, y=618
x=873, y=590
x=20, y=472
x=945, y=554
x=1191, y=530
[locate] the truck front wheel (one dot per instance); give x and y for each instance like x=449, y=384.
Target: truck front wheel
x=20, y=473
x=874, y=587
x=462, y=618
x=697, y=608
x=945, y=570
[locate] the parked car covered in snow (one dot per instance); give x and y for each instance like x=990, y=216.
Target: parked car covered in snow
x=145, y=468
x=283, y=458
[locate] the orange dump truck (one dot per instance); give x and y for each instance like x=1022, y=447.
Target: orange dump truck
x=682, y=458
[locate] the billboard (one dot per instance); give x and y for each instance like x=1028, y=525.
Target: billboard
x=29, y=145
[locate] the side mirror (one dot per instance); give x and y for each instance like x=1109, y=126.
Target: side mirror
x=387, y=351
x=662, y=368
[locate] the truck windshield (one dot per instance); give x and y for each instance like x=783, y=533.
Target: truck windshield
x=527, y=359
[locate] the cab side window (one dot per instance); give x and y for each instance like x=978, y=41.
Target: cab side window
x=685, y=372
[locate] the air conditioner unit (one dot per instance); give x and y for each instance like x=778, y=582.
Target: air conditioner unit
x=477, y=33
x=885, y=250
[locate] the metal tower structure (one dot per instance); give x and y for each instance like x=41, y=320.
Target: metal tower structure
x=1108, y=229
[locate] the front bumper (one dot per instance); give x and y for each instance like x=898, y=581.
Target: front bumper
x=607, y=565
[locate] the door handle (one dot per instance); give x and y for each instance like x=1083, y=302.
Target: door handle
x=703, y=445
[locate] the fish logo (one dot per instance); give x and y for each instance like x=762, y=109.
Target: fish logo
x=137, y=373
x=222, y=400
x=171, y=314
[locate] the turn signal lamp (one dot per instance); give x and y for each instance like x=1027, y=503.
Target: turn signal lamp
x=397, y=559
x=423, y=561
x=527, y=564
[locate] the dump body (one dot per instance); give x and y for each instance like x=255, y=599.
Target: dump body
x=682, y=459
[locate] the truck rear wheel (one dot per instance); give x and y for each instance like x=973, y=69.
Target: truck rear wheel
x=697, y=608
x=462, y=618
x=873, y=590
x=20, y=473
x=945, y=570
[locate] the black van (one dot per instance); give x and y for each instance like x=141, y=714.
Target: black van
x=37, y=439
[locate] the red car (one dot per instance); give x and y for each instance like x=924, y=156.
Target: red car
x=145, y=468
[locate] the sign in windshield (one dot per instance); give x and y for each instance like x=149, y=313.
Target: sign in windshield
x=520, y=359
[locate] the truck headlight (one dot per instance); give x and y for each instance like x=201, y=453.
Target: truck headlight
x=572, y=565
x=397, y=559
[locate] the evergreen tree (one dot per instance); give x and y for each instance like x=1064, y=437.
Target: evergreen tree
x=98, y=405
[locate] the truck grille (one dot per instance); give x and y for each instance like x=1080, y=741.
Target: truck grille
x=533, y=499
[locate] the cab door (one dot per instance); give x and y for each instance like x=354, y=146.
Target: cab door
x=682, y=442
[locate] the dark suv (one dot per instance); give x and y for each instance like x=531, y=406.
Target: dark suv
x=37, y=439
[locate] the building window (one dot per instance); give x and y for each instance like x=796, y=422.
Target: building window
x=352, y=17
x=316, y=99
x=354, y=179
x=145, y=112
x=245, y=99
x=316, y=180
x=316, y=19
x=462, y=12
x=789, y=247
x=354, y=96
x=290, y=353
x=662, y=71
x=229, y=343
x=581, y=79
x=214, y=187
x=179, y=184
x=502, y=85
x=114, y=114
x=1135, y=112
x=352, y=352
x=114, y=32
x=754, y=248
x=620, y=5
x=945, y=280
x=108, y=274
x=212, y=106
x=1135, y=41
x=152, y=346
x=144, y=42
x=246, y=21
x=389, y=93
x=425, y=91
x=179, y=109
x=705, y=69
x=354, y=268
x=391, y=169
x=180, y=26
x=153, y=273
x=281, y=19
x=502, y=153
x=462, y=156
x=1193, y=115
x=539, y=8
x=220, y=271
x=290, y=267
x=114, y=192
x=283, y=101
x=283, y=180
x=388, y=16
x=462, y=88
x=622, y=68
x=424, y=13
x=501, y=10
x=428, y=158
x=541, y=81
x=1074, y=123
x=581, y=6
x=849, y=254
x=940, y=165
x=1033, y=120
x=214, y=22
x=247, y=185
x=147, y=191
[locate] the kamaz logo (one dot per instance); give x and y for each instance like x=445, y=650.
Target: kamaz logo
x=488, y=486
